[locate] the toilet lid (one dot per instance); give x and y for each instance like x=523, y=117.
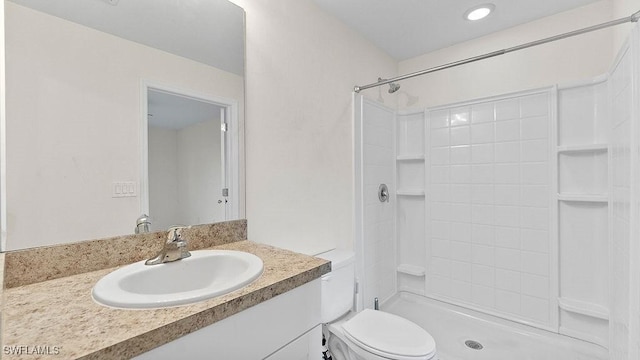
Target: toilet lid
x=389, y=335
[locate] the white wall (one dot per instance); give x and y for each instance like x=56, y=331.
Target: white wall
x=301, y=67
x=622, y=8
x=73, y=115
x=562, y=61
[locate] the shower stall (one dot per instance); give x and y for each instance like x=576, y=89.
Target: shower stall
x=511, y=228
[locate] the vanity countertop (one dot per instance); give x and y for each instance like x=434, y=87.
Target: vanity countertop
x=60, y=317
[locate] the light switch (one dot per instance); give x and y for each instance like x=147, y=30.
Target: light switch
x=124, y=189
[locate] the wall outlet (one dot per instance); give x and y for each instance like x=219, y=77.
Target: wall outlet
x=124, y=189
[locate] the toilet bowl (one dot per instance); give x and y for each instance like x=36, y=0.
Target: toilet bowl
x=368, y=334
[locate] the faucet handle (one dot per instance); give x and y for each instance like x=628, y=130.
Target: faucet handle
x=143, y=224
x=174, y=249
x=175, y=233
x=175, y=239
x=144, y=218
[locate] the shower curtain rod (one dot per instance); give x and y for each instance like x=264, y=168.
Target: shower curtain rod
x=633, y=18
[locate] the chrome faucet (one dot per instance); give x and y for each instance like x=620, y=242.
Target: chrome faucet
x=143, y=224
x=175, y=248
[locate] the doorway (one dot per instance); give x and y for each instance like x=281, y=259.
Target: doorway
x=187, y=163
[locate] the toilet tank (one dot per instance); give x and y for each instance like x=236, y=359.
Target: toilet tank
x=337, y=287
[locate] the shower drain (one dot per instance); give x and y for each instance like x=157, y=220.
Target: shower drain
x=473, y=345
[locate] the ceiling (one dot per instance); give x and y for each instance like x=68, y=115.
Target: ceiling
x=176, y=112
x=402, y=28
x=210, y=32
x=408, y=28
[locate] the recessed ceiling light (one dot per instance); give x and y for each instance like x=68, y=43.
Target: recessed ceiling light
x=479, y=12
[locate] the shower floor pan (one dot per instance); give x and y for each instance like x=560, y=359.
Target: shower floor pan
x=458, y=332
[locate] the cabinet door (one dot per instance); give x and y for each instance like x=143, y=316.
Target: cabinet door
x=251, y=334
x=306, y=347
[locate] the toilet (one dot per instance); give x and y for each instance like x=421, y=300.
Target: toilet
x=368, y=334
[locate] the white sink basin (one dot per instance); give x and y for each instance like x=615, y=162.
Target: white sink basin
x=203, y=275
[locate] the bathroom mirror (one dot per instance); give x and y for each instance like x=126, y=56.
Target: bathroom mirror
x=77, y=78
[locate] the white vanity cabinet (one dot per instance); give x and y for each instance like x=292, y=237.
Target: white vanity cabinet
x=308, y=346
x=284, y=327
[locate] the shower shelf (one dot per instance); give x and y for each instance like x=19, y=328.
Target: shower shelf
x=584, y=308
x=583, y=148
x=603, y=198
x=412, y=270
x=410, y=157
x=411, y=192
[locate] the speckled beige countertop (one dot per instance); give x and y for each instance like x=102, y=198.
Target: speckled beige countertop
x=60, y=316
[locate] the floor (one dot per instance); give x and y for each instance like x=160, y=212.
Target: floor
x=501, y=339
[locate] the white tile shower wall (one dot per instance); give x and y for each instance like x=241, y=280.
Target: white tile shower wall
x=488, y=198
x=378, y=218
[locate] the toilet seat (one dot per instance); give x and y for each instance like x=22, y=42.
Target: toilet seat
x=389, y=336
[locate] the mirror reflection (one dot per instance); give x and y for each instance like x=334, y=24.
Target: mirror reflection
x=78, y=72
x=187, y=157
